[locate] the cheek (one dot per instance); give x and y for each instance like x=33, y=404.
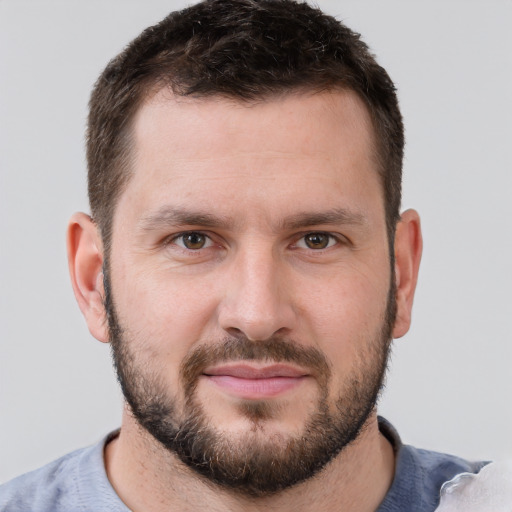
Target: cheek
x=347, y=316
x=167, y=313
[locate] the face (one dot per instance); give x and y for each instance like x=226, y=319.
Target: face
x=248, y=286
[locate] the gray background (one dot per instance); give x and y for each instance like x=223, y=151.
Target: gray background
x=450, y=382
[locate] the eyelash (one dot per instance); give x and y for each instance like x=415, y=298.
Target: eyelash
x=173, y=240
x=332, y=240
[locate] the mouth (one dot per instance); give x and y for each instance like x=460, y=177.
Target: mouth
x=254, y=382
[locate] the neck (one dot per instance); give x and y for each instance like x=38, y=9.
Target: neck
x=147, y=477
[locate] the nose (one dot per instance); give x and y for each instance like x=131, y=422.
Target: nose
x=257, y=297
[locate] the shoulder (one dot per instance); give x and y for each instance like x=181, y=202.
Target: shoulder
x=431, y=468
x=46, y=488
x=72, y=483
x=420, y=474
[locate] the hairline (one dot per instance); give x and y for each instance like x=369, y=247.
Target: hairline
x=149, y=92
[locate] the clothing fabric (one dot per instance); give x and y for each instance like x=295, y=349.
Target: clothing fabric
x=419, y=475
x=78, y=481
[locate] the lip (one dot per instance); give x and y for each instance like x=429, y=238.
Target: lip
x=254, y=382
x=252, y=371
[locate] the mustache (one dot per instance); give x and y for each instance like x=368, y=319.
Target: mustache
x=276, y=349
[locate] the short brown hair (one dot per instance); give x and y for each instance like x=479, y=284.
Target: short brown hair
x=242, y=49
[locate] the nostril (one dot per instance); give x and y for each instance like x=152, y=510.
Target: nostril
x=234, y=331
x=260, y=334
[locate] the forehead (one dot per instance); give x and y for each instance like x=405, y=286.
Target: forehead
x=230, y=154
x=227, y=123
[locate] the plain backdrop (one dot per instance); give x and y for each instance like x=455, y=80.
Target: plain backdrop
x=450, y=381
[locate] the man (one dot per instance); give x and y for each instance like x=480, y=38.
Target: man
x=247, y=261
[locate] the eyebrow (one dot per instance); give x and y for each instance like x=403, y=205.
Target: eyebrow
x=170, y=216
x=333, y=216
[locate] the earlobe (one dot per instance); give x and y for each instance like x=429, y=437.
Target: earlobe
x=85, y=261
x=408, y=249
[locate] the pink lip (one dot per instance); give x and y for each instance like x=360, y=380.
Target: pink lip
x=252, y=382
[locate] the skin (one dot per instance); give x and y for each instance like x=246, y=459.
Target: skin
x=264, y=171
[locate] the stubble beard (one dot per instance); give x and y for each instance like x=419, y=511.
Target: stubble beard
x=251, y=464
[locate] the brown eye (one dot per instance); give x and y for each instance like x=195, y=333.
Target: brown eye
x=317, y=240
x=193, y=241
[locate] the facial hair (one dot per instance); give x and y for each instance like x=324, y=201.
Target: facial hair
x=251, y=465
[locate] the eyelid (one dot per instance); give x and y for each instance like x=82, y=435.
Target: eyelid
x=173, y=238
x=336, y=239
x=300, y=243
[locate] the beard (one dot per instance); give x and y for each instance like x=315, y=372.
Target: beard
x=253, y=463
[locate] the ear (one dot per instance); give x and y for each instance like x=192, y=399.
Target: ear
x=408, y=248
x=85, y=260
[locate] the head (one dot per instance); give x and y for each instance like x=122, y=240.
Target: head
x=245, y=243
x=244, y=50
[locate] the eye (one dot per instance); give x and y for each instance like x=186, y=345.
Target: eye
x=316, y=241
x=193, y=241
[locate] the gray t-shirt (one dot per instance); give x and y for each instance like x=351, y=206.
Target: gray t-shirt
x=78, y=482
